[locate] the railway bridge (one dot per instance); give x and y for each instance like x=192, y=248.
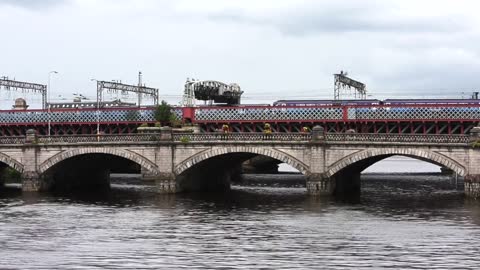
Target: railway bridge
x=331, y=162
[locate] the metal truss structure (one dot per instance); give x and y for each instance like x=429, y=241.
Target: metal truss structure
x=387, y=119
x=13, y=85
x=189, y=93
x=419, y=127
x=343, y=83
x=77, y=121
x=216, y=91
x=120, y=87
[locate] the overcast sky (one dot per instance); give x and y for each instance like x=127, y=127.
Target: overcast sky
x=272, y=48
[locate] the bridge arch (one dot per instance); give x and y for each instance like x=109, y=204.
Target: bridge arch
x=269, y=152
x=427, y=156
x=142, y=161
x=11, y=162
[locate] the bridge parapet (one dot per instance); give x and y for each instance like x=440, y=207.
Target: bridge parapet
x=12, y=140
x=397, y=138
x=241, y=137
x=167, y=136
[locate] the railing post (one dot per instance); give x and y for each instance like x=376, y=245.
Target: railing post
x=31, y=136
x=318, y=134
x=166, y=134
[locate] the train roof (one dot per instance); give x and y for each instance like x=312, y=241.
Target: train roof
x=326, y=100
x=431, y=101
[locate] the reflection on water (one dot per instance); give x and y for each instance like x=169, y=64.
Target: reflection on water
x=421, y=222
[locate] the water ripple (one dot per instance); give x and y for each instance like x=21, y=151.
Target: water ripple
x=417, y=226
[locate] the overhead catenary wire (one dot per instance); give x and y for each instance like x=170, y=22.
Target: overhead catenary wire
x=252, y=96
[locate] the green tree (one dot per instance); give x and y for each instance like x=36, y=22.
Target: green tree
x=163, y=113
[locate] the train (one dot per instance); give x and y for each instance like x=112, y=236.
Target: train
x=426, y=116
x=370, y=102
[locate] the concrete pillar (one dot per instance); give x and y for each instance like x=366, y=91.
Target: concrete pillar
x=319, y=185
x=472, y=179
x=166, y=183
x=33, y=182
x=472, y=186
x=165, y=179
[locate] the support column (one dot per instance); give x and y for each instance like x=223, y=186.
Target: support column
x=166, y=183
x=319, y=185
x=472, y=186
x=31, y=179
x=33, y=182
x=165, y=180
x=472, y=179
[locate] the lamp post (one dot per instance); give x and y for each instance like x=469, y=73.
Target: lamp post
x=48, y=98
x=98, y=107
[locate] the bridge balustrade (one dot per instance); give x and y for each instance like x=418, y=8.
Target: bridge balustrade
x=397, y=138
x=244, y=137
x=241, y=137
x=12, y=140
x=99, y=138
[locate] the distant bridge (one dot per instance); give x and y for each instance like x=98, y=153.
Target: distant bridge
x=180, y=162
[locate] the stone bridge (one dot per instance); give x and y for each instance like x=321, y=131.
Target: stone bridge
x=332, y=163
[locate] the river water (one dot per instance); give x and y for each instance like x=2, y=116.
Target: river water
x=401, y=221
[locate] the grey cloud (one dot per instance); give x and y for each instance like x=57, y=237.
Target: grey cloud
x=312, y=19
x=33, y=4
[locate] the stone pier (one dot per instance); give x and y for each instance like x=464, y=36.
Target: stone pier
x=472, y=186
x=33, y=182
x=319, y=185
x=166, y=183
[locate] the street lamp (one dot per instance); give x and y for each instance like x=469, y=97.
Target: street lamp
x=48, y=98
x=98, y=107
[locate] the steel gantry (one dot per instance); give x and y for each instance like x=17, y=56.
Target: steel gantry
x=13, y=85
x=121, y=87
x=342, y=83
